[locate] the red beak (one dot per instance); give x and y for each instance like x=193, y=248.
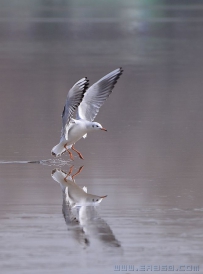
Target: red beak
x=103, y=129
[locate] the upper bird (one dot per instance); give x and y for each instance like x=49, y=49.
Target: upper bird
x=87, y=101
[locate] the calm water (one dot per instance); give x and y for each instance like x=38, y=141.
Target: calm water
x=149, y=163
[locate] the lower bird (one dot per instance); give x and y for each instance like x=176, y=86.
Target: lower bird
x=87, y=101
x=76, y=196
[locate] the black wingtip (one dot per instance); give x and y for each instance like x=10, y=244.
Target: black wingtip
x=121, y=70
x=63, y=112
x=118, y=75
x=54, y=154
x=53, y=171
x=86, y=85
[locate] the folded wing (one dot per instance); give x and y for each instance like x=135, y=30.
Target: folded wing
x=96, y=95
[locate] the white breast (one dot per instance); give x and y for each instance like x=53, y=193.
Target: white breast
x=76, y=132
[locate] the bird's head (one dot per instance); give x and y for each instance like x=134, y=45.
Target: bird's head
x=96, y=126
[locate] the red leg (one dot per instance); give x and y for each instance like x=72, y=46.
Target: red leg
x=79, y=170
x=80, y=155
x=70, y=154
x=69, y=173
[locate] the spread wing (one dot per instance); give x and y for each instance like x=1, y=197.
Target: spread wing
x=96, y=95
x=73, y=100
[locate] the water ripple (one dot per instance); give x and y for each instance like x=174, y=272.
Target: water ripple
x=49, y=162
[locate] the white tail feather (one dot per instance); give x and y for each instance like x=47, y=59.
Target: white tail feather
x=59, y=149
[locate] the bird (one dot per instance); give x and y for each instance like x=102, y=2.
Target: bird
x=86, y=102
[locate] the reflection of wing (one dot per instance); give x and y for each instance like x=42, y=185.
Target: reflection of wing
x=96, y=95
x=71, y=218
x=97, y=227
x=105, y=233
x=70, y=215
x=73, y=100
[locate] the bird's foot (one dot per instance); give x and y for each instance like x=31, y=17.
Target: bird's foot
x=80, y=155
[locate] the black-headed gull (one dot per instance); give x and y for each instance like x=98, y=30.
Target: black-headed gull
x=87, y=101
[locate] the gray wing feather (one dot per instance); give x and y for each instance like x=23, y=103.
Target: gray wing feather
x=96, y=95
x=74, y=98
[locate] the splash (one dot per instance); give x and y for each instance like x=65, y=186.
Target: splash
x=49, y=162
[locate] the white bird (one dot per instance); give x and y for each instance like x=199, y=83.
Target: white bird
x=87, y=101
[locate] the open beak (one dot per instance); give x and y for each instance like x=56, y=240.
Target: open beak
x=103, y=129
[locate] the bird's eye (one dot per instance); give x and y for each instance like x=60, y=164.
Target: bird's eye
x=96, y=126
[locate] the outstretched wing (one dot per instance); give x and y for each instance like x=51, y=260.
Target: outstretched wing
x=96, y=95
x=73, y=100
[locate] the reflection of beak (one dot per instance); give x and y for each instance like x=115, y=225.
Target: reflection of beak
x=103, y=129
x=101, y=198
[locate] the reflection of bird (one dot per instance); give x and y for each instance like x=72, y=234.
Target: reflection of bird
x=88, y=101
x=76, y=195
x=83, y=221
